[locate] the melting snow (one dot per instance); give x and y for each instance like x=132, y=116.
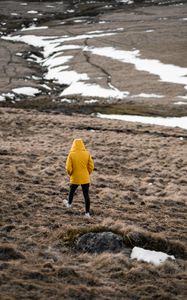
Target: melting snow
x=180, y=103
x=90, y=90
x=166, y=72
x=34, y=28
x=65, y=77
x=28, y=91
x=171, y=122
x=91, y=101
x=182, y=97
x=144, y=95
x=56, y=63
x=149, y=256
x=2, y=98
x=32, y=12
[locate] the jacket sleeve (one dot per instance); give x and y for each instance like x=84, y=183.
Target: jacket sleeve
x=69, y=166
x=90, y=164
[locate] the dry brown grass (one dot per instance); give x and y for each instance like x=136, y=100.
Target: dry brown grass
x=138, y=191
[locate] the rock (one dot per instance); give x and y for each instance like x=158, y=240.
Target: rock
x=9, y=253
x=100, y=241
x=7, y=228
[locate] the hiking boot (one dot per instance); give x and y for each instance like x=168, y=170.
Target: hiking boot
x=66, y=203
x=87, y=215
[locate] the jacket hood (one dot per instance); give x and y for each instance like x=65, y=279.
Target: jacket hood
x=78, y=144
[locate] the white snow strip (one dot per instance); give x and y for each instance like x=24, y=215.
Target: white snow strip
x=32, y=12
x=52, y=62
x=79, y=21
x=66, y=100
x=166, y=72
x=171, y=122
x=34, y=28
x=180, y=103
x=92, y=90
x=154, y=257
x=28, y=91
x=91, y=101
x=35, y=58
x=126, y=1
x=50, y=42
x=144, y=95
x=8, y=95
x=182, y=97
x=67, y=47
x=2, y=98
x=23, y=4
x=46, y=86
x=65, y=77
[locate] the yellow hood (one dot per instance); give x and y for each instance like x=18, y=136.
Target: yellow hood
x=78, y=144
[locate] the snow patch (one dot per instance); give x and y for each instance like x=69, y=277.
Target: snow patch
x=166, y=72
x=180, y=103
x=92, y=90
x=32, y=12
x=91, y=101
x=149, y=256
x=144, y=95
x=2, y=98
x=27, y=91
x=34, y=28
x=171, y=122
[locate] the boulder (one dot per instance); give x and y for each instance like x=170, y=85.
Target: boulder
x=100, y=241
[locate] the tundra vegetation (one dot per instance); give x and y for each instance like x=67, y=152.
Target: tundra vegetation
x=139, y=185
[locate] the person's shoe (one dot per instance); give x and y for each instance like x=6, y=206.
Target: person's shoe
x=87, y=215
x=66, y=203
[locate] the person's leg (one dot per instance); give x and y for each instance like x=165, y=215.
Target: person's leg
x=85, y=189
x=72, y=190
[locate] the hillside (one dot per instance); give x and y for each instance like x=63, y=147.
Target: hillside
x=138, y=190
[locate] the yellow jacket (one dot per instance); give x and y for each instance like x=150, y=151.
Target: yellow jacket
x=79, y=164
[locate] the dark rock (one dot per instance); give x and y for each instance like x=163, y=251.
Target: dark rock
x=36, y=276
x=7, y=228
x=9, y=253
x=100, y=241
x=3, y=152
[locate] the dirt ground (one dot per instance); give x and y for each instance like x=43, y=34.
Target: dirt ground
x=138, y=189
x=157, y=31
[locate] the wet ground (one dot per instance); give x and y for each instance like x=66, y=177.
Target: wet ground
x=157, y=31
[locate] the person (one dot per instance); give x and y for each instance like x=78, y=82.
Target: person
x=79, y=166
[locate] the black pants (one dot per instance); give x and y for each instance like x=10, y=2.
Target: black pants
x=85, y=190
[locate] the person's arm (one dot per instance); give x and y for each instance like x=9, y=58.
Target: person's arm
x=90, y=164
x=69, y=166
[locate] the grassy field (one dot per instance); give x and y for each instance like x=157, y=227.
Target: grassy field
x=138, y=191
